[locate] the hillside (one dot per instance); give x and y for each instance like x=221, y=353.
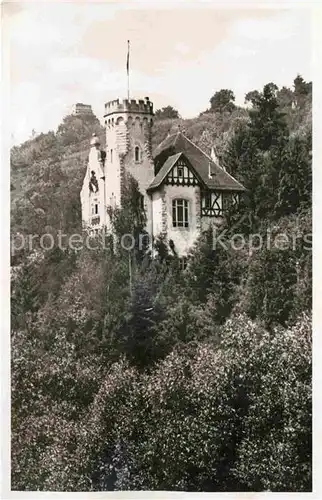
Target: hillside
x=117, y=356
x=69, y=145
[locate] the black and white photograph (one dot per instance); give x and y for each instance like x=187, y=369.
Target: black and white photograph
x=160, y=247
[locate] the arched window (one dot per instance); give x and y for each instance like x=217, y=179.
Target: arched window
x=137, y=154
x=180, y=213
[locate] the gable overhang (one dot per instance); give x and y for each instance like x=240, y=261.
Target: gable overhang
x=154, y=186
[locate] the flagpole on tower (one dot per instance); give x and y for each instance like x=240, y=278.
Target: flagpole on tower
x=128, y=69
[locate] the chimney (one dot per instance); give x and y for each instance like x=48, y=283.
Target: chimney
x=213, y=155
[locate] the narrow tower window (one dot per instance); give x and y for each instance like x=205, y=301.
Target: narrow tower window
x=95, y=209
x=111, y=152
x=137, y=155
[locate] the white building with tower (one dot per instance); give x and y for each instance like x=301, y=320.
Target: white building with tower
x=183, y=189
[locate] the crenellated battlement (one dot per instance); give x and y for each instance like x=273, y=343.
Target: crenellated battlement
x=144, y=106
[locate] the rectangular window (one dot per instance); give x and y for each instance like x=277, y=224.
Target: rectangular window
x=207, y=200
x=226, y=201
x=180, y=213
x=180, y=171
x=96, y=208
x=218, y=204
x=212, y=204
x=111, y=152
x=183, y=263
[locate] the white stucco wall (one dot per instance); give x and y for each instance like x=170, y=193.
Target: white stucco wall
x=157, y=213
x=89, y=198
x=112, y=168
x=183, y=237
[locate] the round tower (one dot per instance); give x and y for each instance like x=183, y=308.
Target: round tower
x=128, y=126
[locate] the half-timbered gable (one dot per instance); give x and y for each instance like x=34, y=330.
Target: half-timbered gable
x=209, y=171
x=176, y=171
x=190, y=191
x=182, y=174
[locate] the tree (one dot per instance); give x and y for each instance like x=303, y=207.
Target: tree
x=252, y=97
x=194, y=380
x=74, y=129
x=223, y=100
x=254, y=151
x=51, y=202
x=295, y=176
x=302, y=91
x=275, y=451
x=166, y=112
x=270, y=285
x=24, y=296
x=138, y=334
x=285, y=97
x=267, y=123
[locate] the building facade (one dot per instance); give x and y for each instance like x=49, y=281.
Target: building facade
x=81, y=109
x=183, y=190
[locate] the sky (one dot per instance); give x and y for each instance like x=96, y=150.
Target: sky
x=63, y=53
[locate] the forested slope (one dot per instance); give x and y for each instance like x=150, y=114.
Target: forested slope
x=197, y=380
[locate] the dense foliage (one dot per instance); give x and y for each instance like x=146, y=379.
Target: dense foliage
x=223, y=100
x=129, y=373
x=166, y=113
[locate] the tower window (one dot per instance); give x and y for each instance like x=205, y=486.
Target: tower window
x=180, y=213
x=137, y=154
x=111, y=155
x=95, y=209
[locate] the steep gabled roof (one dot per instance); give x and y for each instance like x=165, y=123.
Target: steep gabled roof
x=166, y=168
x=179, y=143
